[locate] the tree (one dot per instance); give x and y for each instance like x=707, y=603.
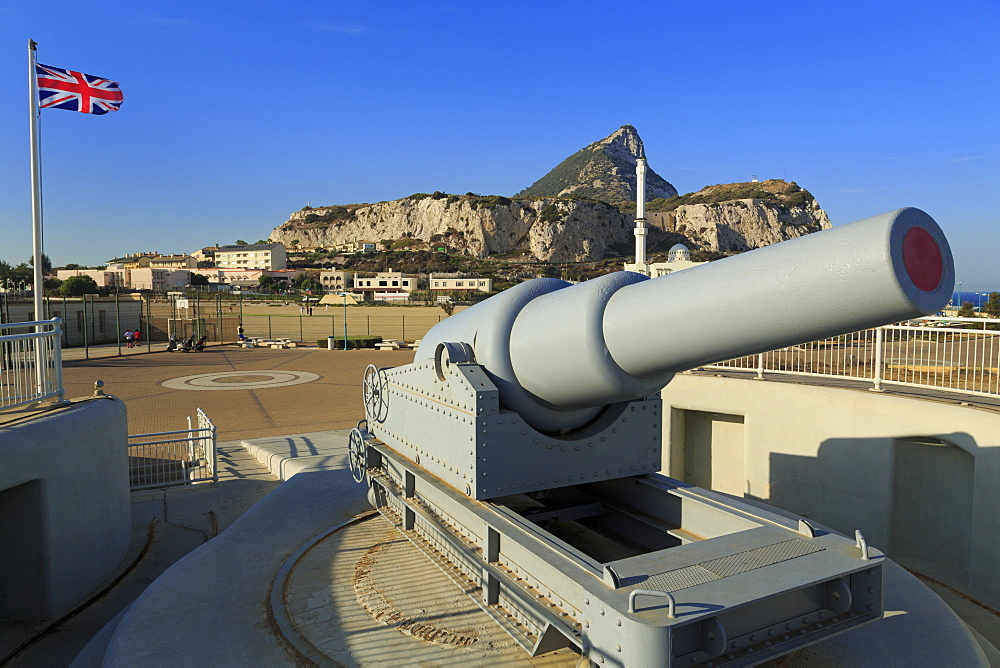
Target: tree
x=992, y=307
x=241, y=242
x=74, y=286
x=198, y=279
x=22, y=273
x=46, y=264
x=269, y=283
x=966, y=311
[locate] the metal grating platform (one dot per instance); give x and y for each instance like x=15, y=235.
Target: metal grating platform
x=734, y=564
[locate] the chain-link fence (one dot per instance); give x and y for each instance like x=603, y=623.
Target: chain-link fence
x=101, y=321
x=398, y=323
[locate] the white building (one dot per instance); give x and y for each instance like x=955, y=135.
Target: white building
x=246, y=277
x=385, y=286
x=251, y=256
x=452, y=283
x=336, y=280
x=678, y=258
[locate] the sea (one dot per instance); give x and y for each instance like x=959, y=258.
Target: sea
x=976, y=298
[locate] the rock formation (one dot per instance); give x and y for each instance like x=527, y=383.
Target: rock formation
x=604, y=170
x=565, y=215
x=552, y=230
x=739, y=217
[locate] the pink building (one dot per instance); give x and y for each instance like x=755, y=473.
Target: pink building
x=140, y=278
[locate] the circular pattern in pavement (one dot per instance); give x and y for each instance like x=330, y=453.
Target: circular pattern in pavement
x=240, y=380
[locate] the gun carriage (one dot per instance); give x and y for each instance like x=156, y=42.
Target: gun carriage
x=520, y=450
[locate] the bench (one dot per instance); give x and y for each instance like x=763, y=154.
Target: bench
x=276, y=344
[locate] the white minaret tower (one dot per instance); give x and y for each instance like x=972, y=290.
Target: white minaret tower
x=640, y=212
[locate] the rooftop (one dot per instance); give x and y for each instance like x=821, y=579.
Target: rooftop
x=247, y=247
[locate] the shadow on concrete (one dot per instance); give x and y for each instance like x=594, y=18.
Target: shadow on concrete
x=912, y=497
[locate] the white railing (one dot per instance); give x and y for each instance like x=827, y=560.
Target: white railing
x=173, y=457
x=944, y=353
x=30, y=362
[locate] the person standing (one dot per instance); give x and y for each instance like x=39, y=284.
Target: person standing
x=239, y=331
x=129, y=337
x=137, y=338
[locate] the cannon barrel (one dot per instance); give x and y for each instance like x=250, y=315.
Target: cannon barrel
x=560, y=352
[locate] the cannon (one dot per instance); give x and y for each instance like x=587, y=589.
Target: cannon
x=520, y=451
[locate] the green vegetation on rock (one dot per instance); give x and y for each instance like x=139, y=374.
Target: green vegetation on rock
x=331, y=215
x=604, y=171
x=774, y=192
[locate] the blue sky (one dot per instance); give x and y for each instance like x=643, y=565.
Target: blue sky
x=237, y=114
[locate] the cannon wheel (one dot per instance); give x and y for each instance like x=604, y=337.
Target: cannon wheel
x=356, y=455
x=375, y=387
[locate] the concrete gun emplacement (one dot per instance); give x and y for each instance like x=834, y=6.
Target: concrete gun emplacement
x=525, y=438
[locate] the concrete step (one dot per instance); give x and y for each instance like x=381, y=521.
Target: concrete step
x=285, y=456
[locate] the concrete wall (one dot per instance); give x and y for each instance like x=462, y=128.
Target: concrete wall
x=98, y=315
x=921, y=479
x=64, y=507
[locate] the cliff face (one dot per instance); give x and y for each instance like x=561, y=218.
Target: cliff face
x=552, y=230
x=741, y=225
x=604, y=170
x=741, y=216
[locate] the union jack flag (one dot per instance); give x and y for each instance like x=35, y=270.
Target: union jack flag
x=65, y=89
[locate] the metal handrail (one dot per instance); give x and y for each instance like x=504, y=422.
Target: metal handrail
x=31, y=363
x=34, y=323
x=944, y=358
x=168, y=433
x=178, y=457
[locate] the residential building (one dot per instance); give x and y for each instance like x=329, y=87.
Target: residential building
x=248, y=278
x=158, y=280
x=173, y=262
x=384, y=286
x=206, y=254
x=357, y=247
x=251, y=256
x=105, y=278
x=458, y=283
x=136, y=278
x=131, y=260
x=152, y=259
x=336, y=281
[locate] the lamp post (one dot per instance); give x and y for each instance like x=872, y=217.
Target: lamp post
x=958, y=297
x=344, y=295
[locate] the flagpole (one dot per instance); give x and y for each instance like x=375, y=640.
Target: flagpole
x=36, y=212
x=36, y=184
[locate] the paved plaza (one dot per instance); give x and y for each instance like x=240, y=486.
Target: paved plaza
x=252, y=392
